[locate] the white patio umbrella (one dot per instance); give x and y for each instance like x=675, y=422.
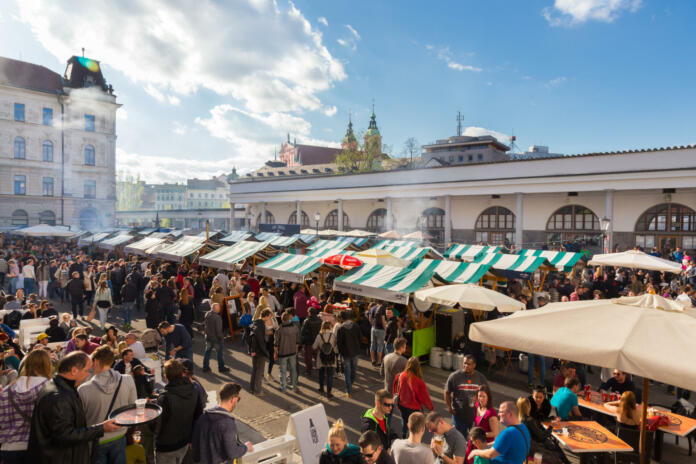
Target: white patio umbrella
x=359, y=233
x=45, y=230
x=645, y=335
x=635, y=259
x=418, y=235
x=469, y=296
x=329, y=232
x=376, y=256
x=392, y=234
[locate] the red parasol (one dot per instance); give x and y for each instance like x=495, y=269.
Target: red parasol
x=346, y=261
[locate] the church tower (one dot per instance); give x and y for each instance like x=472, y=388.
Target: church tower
x=373, y=139
x=349, y=141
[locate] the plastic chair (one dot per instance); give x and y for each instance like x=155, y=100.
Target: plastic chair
x=632, y=437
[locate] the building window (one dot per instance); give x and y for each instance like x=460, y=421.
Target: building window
x=331, y=221
x=432, y=222
x=269, y=218
x=666, y=227
x=90, y=189
x=20, y=218
x=20, y=148
x=89, y=122
x=89, y=155
x=293, y=219
x=461, y=158
x=377, y=221
x=471, y=157
x=20, y=185
x=19, y=112
x=480, y=157
x=574, y=224
x=47, y=117
x=48, y=151
x=47, y=217
x=495, y=226
x=47, y=186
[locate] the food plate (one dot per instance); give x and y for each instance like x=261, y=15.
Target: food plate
x=126, y=416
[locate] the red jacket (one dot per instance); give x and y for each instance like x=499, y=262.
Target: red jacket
x=413, y=394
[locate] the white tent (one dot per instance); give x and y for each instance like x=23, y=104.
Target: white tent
x=635, y=259
x=44, y=230
x=378, y=256
x=469, y=296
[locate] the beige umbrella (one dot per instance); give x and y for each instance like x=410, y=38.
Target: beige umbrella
x=418, y=235
x=390, y=234
x=359, y=233
x=378, y=256
x=635, y=259
x=469, y=296
x=45, y=230
x=645, y=335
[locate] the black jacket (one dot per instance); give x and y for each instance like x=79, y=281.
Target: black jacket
x=257, y=343
x=129, y=292
x=76, y=289
x=310, y=329
x=59, y=431
x=120, y=366
x=180, y=410
x=348, y=339
x=369, y=423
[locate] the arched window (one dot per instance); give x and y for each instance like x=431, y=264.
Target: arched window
x=377, y=221
x=48, y=151
x=495, y=225
x=331, y=221
x=20, y=218
x=20, y=148
x=293, y=219
x=667, y=226
x=574, y=223
x=89, y=155
x=89, y=219
x=432, y=222
x=47, y=217
x=269, y=218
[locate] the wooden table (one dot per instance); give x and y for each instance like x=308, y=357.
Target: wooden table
x=588, y=437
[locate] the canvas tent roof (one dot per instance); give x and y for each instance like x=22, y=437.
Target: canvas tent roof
x=86, y=240
x=180, y=249
x=292, y=267
x=453, y=271
x=45, y=230
x=561, y=260
x=226, y=257
x=113, y=242
x=265, y=236
x=513, y=263
x=394, y=243
x=329, y=245
x=412, y=252
x=236, y=236
x=469, y=252
x=145, y=246
x=306, y=238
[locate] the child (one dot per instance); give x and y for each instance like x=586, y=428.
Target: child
x=477, y=437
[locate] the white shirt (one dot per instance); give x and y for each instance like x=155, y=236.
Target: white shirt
x=28, y=272
x=138, y=350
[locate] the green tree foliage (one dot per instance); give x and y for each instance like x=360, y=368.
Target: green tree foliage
x=355, y=158
x=129, y=192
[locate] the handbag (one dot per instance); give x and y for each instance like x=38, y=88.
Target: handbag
x=103, y=304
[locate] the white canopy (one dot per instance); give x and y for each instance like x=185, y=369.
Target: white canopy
x=44, y=230
x=635, y=259
x=645, y=335
x=469, y=296
x=379, y=256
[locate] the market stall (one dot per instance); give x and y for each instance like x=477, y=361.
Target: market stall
x=469, y=252
x=561, y=260
x=236, y=236
x=180, y=250
x=116, y=241
x=517, y=266
x=228, y=257
x=145, y=246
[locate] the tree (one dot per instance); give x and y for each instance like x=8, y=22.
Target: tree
x=355, y=158
x=411, y=148
x=129, y=192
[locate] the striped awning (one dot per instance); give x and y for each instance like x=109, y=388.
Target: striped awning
x=180, y=249
x=453, y=272
x=513, y=263
x=386, y=283
x=283, y=242
x=288, y=267
x=561, y=260
x=322, y=252
x=145, y=231
x=306, y=238
x=236, y=236
x=227, y=257
x=113, y=242
x=356, y=241
x=265, y=236
x=469, y=252
x=86, y=240
x=412, y=252
x=394, y=243
x=145, y=246
x=329, y=245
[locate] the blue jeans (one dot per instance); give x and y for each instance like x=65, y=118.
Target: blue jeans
x=12, y=285
x=185, y=353
x=77, y=305
x=460, y=425
x=284, y=363
x=209, y=346
x=28, y=286
x=127, y=311
x=350, y=368
x=113, y=452
x=542, y=368
x=388, y=348
x=326, y=374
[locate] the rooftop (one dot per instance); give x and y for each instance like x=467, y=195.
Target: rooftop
x=461, y=140
x=29, y=76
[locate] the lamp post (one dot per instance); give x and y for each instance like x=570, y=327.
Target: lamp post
x=317, y=216
x=248, y=218
x=604, y=223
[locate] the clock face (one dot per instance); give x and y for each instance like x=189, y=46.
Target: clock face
x=89, y=64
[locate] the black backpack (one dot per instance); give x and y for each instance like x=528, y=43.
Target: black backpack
x=326, y=352
x=12, y=319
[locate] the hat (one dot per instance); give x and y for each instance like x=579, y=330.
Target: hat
x=314, y=303
x=188, y=364
x=41, y=336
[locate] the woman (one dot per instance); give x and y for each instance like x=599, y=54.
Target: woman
x=152, y=309
x=102, y=302
x=110, y=338
x=486, y=417
x=412, y=392
x=540, y=405
x=67, y=323
x=88, y=277
x=43, y=275
x=542, y=440
x=338, y=450
x=72, y=344
x=186, y=306
x=625, y=409
x=62, y=275
x=250, y=304
x=12, y=275
x=326, y=361
x=17, y=402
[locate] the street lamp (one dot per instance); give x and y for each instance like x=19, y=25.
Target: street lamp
x=248, y=218
x=604, y=224
x=317, y=216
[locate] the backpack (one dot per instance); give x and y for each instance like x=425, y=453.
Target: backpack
x=326, y=352
x=249, y=335
x=150, y=338
x=12, y=319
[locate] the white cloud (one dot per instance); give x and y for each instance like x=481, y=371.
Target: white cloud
x=173, y=100
x=474, y=131
x=330, y=111
x=353, y=31
x=573, y=12
x=160, y=169
x=179, y=128
x=351, y=40
x=444, y=54
x=154, y=92
x=269, y=59
x=556, y=82
x=322, y=20
x=122, y=114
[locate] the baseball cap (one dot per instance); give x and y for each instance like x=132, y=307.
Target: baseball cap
x=41, y=336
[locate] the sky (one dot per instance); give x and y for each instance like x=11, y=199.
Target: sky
x=211, y=85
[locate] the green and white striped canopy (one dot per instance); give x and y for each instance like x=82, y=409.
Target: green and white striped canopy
x=236, y=236
x=288, y=267
x=394, y=243
x=113, y=242
x=561, y=260
x=282, y=241
x=356, y=241
x=386, y=283
x=180, y=249
x=265, y=236
x=145, y=246
x=306, y=238
x=227, y=257
x=87, y=239
x=469, y=252
x=329, y=245
x=452, y=271
x=411, y=252
x=512, y=263
x=322, y=252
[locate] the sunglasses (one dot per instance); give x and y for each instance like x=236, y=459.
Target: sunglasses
x=388, y=405
x=369, y=455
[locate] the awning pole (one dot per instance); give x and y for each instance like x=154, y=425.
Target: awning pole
x=643, y=420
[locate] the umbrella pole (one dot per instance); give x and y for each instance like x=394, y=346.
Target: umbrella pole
x=643, y=419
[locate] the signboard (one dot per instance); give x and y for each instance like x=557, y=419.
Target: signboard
x=314, y=431
x=285, y=229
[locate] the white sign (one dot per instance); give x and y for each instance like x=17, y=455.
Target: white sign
x=311, y=428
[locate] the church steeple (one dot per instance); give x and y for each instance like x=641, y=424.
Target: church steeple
x=372, y=128
x=349, y=140
x=373, y=139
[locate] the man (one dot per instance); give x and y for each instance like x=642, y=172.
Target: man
x=391, y=331
x=618, y=383
x=42, y=339
x=393, y=364
x=453, y=448
x=180, y=410
x=76, y=289
x=378, y=321
x=300, y=303
x=29, y=276
x=372, y=450
x=83, y=344
x=116, y=276
x=411, y=450
x=214, y=339
x=106, y=391
x=378, y=419
x=460, y=394
x=135, y=345
x=78, y=267
x=129, y=293
x=177, y=340
x=259, y=352
x=287, y=344
x=254, y=284
x=511, y=446
x=59, y=432
x=565, y=400
x=310, y=329
x=215, y=436
x=128, y=362
x=567, y=371
x=531, y=357
x=348, y=339
x=315, y=288
x=269, y=300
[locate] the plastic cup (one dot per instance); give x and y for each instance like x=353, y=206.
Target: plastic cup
x=565, y=431
x=140, y=407
x=438, y=440
x=605, y=397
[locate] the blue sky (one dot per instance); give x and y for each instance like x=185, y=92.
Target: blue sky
x=219, y=86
